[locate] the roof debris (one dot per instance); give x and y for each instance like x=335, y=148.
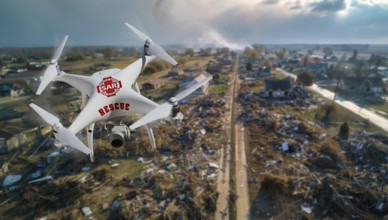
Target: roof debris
x=303, y=172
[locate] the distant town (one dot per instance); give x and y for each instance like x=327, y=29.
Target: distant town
x=281, y=132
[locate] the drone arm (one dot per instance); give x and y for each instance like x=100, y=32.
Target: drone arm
x=84, y=100
x=136, y=87
x=64, y=135
x=89, y=114
x=132, y=72
x=85, y=84
x=164, y=110
x=148, y=128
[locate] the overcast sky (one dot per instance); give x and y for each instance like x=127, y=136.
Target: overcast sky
x=233, y=23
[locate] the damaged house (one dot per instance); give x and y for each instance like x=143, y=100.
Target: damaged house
x=152, y=84
x=264, y=71
x=371, y=85
x=176, y=74
x=10, y=141
x=319, y=69
x=277, y=88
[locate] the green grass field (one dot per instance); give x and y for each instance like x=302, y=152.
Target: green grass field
x=218, y=89
x=380, y=109
x=356, y=122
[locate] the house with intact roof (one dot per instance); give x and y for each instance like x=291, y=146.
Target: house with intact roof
x=371, y=85
x=319, y=69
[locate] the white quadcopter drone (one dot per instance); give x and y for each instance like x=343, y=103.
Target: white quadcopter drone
x=110, y=94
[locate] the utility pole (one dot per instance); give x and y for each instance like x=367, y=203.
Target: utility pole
x=339, y=74
x=335, y=91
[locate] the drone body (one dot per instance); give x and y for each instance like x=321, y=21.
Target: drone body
x=110, y=94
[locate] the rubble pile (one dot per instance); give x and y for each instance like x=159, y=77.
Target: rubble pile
x=184, y=137
x=296, y=171
x=298, y=92
x=209, y=106
x=202, y=124
x=178, y=186
x=368, y=152
x=298, y=97
x=182, y=185
x=172, y=195
x=179, y=182
x=53, y=195
x=211, y=101
x=285, y=125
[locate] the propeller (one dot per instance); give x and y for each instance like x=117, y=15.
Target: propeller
x=64, y=135
x=164, y=110
x=51, y=70
x=151, y=48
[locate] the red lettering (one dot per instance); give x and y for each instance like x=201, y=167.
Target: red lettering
x=101, y=111
x=113, y=107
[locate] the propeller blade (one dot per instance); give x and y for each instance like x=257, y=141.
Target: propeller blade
x=48, y=76
x=59, y=50
x=159, y=112
x=154, y=49
x=164, y=110
x=190, y=90
x=47, y=117
x=140, y=34
x=51, y=70
x=159, y=52
x=65, y=136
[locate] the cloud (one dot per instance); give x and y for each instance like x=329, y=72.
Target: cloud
x=189, y=31
x=363, y=24
x=381, y=3
x=270, y=2
x=294, y=5
x=206, y=36
x=328, y=6
x=200, y=22
x=162, y=8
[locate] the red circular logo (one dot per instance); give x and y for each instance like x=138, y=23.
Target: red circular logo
x=109, y=86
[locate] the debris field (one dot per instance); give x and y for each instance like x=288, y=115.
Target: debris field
x=296, y=171
x=177, y=181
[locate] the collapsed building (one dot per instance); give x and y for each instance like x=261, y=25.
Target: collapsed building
x=296, y=170
x=178, y=182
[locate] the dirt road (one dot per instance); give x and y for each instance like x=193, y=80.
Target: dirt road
x=223, y=186
x=236, y=143
x=241, y=175
x=223, y=183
